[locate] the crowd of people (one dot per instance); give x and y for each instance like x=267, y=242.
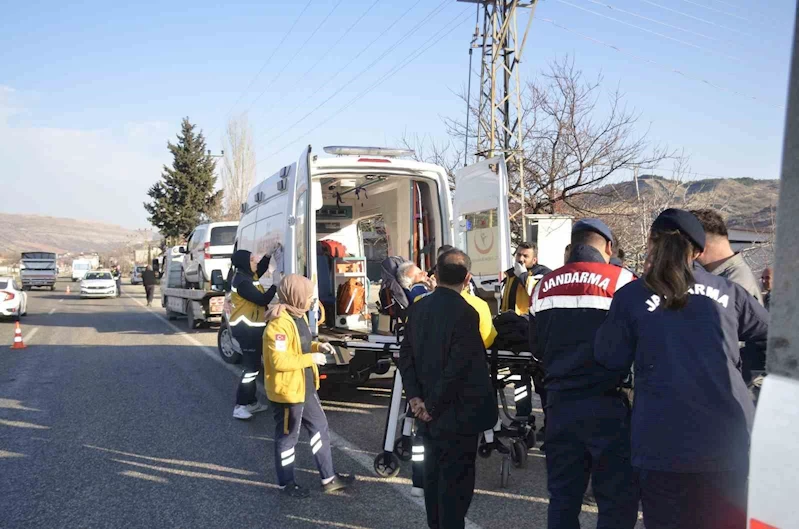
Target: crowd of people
x=691, y=331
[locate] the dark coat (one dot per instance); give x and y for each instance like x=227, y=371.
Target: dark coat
x=443, y=361
x=692, y=410
x=148, y=278
x=567, y=308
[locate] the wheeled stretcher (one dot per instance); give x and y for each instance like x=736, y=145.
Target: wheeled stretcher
x=510, y=437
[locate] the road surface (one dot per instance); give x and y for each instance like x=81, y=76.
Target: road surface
x=114, y=417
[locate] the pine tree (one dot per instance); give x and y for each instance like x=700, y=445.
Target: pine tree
x=186, y=195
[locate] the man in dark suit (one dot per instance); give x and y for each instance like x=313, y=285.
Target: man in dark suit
x=444, y=371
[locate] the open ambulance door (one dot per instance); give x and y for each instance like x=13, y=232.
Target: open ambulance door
x=303, y=224
x=482, y=221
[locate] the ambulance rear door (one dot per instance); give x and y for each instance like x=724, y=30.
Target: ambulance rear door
x=482, y=221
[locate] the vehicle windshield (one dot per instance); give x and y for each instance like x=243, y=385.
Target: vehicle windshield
x=38, y=255
x=223, y=236
x=98, y=275
x=80, y=266
x=140, y=269
x=3, y=285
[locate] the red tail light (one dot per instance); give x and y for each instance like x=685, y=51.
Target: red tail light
x=8, y=296
x=374, y=160
x=207, y=255
x=322, y=377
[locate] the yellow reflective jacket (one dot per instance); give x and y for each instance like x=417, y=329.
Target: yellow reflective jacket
x=284, y=362
x=516, y=296
x=487, y=330
x=248, y=301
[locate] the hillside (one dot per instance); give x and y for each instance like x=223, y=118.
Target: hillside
x=60, y=235
x=746, y=203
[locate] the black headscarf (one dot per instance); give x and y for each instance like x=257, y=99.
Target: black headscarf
x=241, y=260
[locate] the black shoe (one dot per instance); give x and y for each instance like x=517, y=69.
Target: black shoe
x=340, y=482
x=293, y=490
x=542, y=447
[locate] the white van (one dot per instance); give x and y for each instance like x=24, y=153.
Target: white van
x=332, y=198
x=208, y=248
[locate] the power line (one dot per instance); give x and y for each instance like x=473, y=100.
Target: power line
x=299, y=50
x=733, y=15
x=664, y=66
x=458, y=21
x=686, y=43
x=698, y=19
x=363, y=50
x=388, y=50
x=329, y=49
x=642, y=17
x=268, y=59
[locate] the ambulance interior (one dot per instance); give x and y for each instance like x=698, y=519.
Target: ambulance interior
x=395, y=216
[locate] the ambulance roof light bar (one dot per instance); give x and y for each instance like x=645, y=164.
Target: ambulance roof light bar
x=388, y=152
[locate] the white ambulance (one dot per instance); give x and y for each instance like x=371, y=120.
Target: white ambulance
x=329, y=198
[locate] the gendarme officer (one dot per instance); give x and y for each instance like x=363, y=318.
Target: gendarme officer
x=692, y=415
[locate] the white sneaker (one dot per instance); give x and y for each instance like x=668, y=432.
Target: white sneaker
x=417, y=492
x=240, y=412
x=256, y=407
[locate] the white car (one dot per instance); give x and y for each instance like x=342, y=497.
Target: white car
x=98, y=285
x=209, y=248
x=13, y=301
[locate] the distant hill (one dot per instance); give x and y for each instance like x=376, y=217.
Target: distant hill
x=746, y=203
x=61, y=235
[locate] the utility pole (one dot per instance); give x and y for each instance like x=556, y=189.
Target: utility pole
x=499, y=110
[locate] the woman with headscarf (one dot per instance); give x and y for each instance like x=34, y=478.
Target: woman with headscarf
x=692, y=413
x=248, y=302
x=292, y=379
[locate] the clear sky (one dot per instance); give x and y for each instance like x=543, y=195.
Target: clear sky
x=90, y=92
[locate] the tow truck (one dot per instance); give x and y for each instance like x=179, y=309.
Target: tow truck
x=200, y=307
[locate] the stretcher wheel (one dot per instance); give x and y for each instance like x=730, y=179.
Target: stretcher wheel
x=387, y=465
x=402, y=448
x=518, y=454
x=504, y=473
x=484, y=451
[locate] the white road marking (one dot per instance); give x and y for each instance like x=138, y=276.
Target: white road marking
x=351, y=450
x=30, y=335
x=51, y=311
x=60, y=300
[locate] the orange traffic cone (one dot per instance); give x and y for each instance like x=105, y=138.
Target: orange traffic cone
x=68, y=289
x=18, y=343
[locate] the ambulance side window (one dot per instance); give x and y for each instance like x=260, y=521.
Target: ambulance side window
x=301, y=234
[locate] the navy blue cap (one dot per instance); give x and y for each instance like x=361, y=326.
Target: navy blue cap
x=595, y=225
x=684, y=222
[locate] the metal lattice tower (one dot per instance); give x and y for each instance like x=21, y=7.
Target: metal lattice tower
x=499, y=108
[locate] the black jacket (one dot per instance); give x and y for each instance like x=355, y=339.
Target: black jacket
x=567, y=308
x=242, y=280
x=148, y=278
x=442, y=361
x=692, y=410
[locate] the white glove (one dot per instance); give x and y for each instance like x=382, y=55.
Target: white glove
x=519, y=269
x=325, y=347
x=319, y=359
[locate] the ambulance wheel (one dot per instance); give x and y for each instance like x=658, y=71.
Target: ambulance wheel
x=484, y=451
x=387, y=465
x=402, y=448
x=504, y=473
x=518, y=454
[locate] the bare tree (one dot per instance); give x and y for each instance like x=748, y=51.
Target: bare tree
x=428, y=151
x=238, y=166
x=573, y=141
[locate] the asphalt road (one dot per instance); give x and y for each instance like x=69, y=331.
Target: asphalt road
x=114, y=417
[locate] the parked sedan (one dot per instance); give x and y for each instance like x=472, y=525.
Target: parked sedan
x=98, y=285
x=13, y=301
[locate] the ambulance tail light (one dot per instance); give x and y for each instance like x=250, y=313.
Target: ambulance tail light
x=205, y=250
x=374, y=160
